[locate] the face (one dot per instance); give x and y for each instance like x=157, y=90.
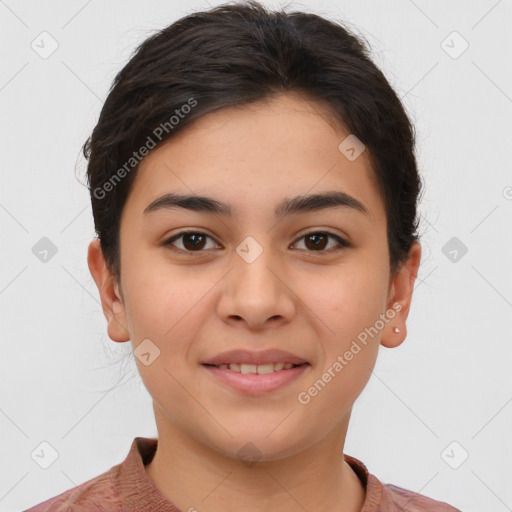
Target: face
x=199, y=282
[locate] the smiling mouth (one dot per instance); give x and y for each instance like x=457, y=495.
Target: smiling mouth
x=260, y=369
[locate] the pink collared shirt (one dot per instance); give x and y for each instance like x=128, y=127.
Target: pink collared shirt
x=126, y=487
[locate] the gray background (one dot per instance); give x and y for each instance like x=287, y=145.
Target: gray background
x=63, y=381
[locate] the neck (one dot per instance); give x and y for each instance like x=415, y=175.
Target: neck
x=194, y=477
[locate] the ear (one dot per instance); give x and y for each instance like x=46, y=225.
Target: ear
x=400, y=296
x=111, y=302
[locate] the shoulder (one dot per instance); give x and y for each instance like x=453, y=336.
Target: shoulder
x=97, y=494
x=403, y=499
x=123, y=487
x=382, y=497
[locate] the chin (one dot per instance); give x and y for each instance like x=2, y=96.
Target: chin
x=263, y=447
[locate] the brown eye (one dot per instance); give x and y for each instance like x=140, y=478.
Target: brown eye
x=192, y=241
x=317, y=241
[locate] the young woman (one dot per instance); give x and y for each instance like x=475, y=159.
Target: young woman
x=254, y=189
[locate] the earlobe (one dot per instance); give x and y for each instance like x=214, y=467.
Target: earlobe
x=395, y=332
x=400, y=293
x=113, y=307
x=116, y=323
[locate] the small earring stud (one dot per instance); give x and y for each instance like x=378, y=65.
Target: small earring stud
x=396, y=329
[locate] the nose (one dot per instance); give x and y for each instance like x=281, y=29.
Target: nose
x=257, y=292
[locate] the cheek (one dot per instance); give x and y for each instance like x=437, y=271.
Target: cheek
x=170, y=311
x=353, y=302
x=165, y=301
x=345, y=300
x=345, y=367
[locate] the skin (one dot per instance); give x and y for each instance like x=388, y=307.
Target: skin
x=195, y=305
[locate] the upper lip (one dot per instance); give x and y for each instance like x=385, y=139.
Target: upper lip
x=251, y=357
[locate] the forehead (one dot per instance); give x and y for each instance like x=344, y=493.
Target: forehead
x=252, y=156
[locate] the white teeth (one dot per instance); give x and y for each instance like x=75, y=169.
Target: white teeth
x=265, y=368
x=259, y=369
x=248, y=368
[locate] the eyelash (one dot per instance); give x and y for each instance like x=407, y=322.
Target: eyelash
x=342, y=242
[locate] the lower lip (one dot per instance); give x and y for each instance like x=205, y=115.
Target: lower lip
x=256, y=384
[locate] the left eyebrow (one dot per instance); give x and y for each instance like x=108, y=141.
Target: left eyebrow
x=289, y=206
